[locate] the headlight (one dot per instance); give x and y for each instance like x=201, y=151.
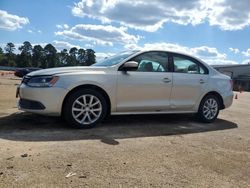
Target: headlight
x=42, y=81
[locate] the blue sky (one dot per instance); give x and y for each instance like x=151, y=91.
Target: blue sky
x=217, y=31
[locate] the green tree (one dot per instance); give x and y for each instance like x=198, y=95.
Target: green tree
x=26, y=48
x=90, y=57
x=63, y=57
x=3, y=59
x=9, y=48
x=81, y=56
x=10, y=56
x=1, y=54
x=51, y=59
x=72, y=60
x=45, y=57
x=37, y=56
x=24, y=60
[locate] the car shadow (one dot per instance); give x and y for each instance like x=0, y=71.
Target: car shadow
x=30, y=127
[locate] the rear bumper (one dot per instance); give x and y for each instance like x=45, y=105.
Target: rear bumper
x=228, y=99
x=46, y=101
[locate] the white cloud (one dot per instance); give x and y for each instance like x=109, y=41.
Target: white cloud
x=88, y=45
x=209, y=54
x=145, y=15
x=246, y=61
x=246, y=53
x=229, y=14
x=11, y=22
x=60, y=45
x=64, y=26
x=101, y=55
x=34, y=31
x=205, y=52
x=234, y=50
x=132, y=46
x=99, y=34
x=220, y=61
x=151, y=15
x=59, y=26
x=30, y=31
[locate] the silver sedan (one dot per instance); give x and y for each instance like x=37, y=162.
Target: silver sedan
x=131, y=82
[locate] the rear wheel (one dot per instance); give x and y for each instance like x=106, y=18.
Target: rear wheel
x=85, y=108
x=209, y=109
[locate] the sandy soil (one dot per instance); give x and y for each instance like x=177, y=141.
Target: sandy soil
x=124, y=151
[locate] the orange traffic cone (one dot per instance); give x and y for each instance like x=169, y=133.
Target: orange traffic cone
x=236, y=96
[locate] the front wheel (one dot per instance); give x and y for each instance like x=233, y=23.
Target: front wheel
x=85, y=108
x=209, y=109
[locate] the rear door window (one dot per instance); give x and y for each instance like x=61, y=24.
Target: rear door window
x=186, y=65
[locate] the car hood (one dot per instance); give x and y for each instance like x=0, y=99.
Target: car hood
x=62, y=70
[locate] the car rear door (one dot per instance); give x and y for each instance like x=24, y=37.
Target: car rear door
x=148, y=88
x=190, y=78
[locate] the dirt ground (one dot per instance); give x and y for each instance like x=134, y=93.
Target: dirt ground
x=124, y=151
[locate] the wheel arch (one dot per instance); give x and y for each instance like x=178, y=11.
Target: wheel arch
x=221, y=101
x=88, y=86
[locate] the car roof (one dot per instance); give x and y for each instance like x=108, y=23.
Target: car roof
x=171, y=51
x=175, y=52
x=168, y=51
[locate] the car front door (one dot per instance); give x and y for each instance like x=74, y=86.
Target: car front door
x=148, y=88
x=189, y=82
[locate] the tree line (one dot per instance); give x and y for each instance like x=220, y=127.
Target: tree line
x=47, y=57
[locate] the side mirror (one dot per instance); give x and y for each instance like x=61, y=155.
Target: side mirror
x=129, y=66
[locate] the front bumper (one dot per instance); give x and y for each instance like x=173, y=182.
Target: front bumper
x=32, y=105
x=41, y=100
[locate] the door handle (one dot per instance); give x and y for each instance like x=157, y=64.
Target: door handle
x=202, y=81
x=166, y=80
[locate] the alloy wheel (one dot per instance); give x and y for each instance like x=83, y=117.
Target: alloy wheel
x=86, y=109
x=210, y=108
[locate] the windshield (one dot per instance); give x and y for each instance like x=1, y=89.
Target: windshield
x=113, y=60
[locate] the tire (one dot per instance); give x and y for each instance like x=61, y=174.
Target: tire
x=84, y=108
x=209, y=109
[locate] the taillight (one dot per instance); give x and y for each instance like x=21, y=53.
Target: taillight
x=232, y=84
